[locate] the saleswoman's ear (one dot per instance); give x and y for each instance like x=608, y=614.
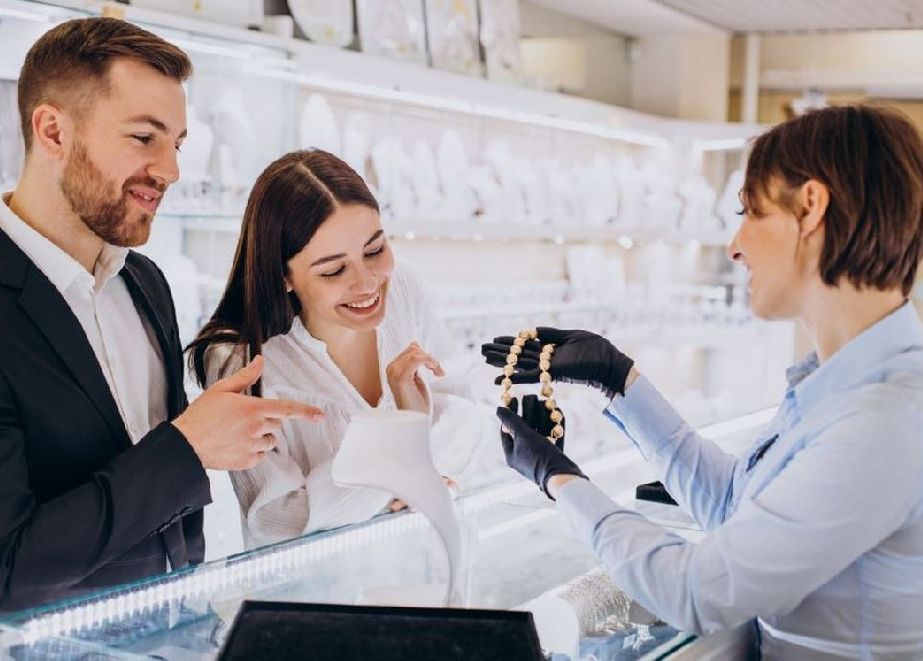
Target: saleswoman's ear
x=815, y=199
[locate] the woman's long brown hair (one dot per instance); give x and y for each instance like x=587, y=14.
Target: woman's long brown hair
x=292, y=197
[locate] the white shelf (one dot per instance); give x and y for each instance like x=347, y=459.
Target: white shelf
x=452, y=312
x=220, y=216
x=473, y=230
x=706, y=336
x=366, y=76
x=709, y=336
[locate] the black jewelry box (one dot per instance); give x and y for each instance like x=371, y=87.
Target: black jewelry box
x=281, y=630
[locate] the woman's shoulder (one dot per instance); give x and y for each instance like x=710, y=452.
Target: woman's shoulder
x=409, y=294
x=222, y=359
x=297, y=362
x=407, y=283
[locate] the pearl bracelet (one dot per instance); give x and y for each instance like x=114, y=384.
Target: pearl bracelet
x=544, y=377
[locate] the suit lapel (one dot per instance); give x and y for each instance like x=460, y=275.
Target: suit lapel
x=48, y=310
x=143, y=300
x=140, y=288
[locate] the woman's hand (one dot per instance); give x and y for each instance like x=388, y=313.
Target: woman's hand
x=579, y=357
x=405, y=382
x=527, y=448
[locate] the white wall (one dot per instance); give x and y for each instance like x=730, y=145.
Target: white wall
x=846, y=60
x=607, y=75
x=681, y=76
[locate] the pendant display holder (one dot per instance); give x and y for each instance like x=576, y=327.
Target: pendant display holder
x=389, y=450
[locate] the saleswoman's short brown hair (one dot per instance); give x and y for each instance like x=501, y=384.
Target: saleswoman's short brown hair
x=69, y=64
x=871, y=160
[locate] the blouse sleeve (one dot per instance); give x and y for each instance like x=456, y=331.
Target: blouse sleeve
x=279, y=502
x=222, y=360
x=279, y=498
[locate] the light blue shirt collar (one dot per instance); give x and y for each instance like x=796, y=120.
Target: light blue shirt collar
x=810, y=381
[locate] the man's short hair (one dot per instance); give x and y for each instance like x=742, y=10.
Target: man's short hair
x=69, y=64
x=871, y=161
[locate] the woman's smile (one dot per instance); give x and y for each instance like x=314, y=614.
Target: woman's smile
x=364, y=307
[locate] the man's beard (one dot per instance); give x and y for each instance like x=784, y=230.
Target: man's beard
x=101, y=204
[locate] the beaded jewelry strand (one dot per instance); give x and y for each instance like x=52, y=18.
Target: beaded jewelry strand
x=544, y=377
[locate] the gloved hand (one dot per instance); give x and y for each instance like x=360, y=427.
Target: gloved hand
x=579, y=357
x=527, y=448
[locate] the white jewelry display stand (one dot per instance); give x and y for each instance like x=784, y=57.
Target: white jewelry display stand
x=389, y=450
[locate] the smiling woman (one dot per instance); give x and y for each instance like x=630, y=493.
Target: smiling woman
x=315, y=290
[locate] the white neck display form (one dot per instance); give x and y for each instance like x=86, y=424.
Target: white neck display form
x=389, y=450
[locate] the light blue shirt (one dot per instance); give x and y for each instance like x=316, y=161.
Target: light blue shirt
x=818, y=534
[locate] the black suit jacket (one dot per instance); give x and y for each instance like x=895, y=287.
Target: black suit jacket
x=80, y=506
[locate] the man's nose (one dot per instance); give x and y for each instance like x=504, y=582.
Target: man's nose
x=166, y=166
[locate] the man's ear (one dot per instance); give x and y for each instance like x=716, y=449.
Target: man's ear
x=814, y=198
x=51, y=128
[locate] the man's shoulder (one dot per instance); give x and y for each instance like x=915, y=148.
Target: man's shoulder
x=147, y=273
x=13, y=261
x=142, y=264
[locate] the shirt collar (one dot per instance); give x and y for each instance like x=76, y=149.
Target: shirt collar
x=304, y=337
x=109, y=264
x=58, y=266
x=801, y=370
x=810, y=381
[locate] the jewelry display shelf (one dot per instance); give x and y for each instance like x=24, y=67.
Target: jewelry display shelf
x=223, y=221
x=375, y=78
x=186, y=614
x=397, y=90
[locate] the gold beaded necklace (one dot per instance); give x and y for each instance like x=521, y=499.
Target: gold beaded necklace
x=544, y=377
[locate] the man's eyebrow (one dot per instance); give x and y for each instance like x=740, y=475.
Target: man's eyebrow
x=341, y=255
x=156, y=123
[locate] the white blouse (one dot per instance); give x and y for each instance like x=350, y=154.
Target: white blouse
x=291, y=492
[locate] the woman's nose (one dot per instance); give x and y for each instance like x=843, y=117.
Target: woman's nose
x=733, y=249
x=365, y=281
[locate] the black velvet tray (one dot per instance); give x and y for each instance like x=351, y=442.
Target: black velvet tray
x=281, y=630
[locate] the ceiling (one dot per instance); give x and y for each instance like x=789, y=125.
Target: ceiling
x=802, y=15
x=641, y=18
x=635, y=18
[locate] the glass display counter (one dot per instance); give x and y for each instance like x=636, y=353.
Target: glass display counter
x=518, y=549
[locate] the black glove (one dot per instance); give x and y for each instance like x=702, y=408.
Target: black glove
x=527, y=447
x=579, y=357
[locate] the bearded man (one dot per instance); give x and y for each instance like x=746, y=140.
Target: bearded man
x=102, y=465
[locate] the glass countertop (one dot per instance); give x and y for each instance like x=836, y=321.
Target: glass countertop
x=517, y=549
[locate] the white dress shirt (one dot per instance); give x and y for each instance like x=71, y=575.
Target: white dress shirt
x=291, y=492
x=124, y=344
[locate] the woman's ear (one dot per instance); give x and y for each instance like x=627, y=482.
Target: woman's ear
x=288, y=285
x=814, y=198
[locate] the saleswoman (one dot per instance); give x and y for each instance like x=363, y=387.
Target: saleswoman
x=315, y=290
x=816, y=533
